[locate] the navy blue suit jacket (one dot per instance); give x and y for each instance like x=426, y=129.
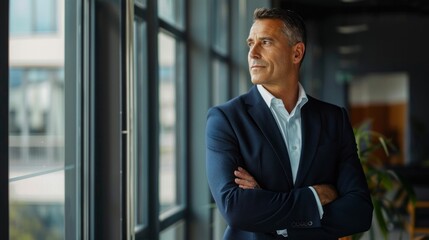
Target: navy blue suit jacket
x=243, y=132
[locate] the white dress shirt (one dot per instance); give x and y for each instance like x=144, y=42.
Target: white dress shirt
x=289, y=125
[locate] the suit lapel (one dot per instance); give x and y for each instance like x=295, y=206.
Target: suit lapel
x=264, y=119
x=311, y=126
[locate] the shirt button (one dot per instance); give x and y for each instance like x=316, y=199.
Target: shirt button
x=294, y=147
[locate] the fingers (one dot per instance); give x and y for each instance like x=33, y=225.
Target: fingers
x=244, y=184
x=327, y=193
x=244, y=180
x=243, y=174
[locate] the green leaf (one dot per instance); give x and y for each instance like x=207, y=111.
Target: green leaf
x=380, y=218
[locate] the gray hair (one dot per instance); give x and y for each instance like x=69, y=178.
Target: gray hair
x=294, y=26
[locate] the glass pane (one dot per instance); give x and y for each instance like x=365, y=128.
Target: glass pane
x=140, y=142
x=38, y=172
x=45, y=15
x=168, y=107
x=218, y=224
x=20, y=17
x=33, y=16
x=220, y=82
x=174, y=232
x=34, y=215
x=172, y=11
x=167, y=116
x=221, y=26
x=140, y=2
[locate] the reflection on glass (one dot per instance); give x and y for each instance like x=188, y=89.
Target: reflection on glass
x=34, y=16
x=140, y=129
x=20, y=20
x=220, y=82
x=36, y=128
x=221, y=27
x=140, y=2
x=36, y=147
x=167, y=118
x=172, y=12
x=175, y=232
x=36, y=121
x=34, y=215
x=44, y=15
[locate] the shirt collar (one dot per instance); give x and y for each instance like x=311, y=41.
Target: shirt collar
x=268, y=97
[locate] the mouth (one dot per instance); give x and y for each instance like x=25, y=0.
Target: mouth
x=257, y=66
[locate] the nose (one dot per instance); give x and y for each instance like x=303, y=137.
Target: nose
x=254, y=51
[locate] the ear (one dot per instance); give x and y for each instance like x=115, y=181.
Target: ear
x=298, y=52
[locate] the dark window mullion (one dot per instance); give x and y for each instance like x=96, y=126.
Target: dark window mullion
x=176, y=33
x=153, y=121
x=168, y=221
x=106, y=123
x=4, y=121
x=140, y=12
x=229, y=50
x=72, y=120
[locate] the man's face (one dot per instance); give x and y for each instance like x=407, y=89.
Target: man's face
x=270, y=56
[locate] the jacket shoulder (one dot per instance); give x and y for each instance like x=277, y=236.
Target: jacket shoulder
x=233, y=105
x=323, y=106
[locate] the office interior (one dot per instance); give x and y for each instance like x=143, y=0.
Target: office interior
x=104, y=102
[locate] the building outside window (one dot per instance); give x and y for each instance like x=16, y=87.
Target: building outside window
x=37, y=132
x=32, y=17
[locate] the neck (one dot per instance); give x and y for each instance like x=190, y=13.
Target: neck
x=288, y=94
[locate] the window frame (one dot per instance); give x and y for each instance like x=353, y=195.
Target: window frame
x=218, y=55
x=74, y=133
x=105, y=81
x=154, y=25
x=4, y=111
x=71, y=167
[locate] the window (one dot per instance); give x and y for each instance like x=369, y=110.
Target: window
x=221, y=26
x=159, y=121
x=170, y=186
x=43, y=165
x=221, y=89
x=34, y=16
x=142, y=3
x=140, y=143
x=220, y=82
x=172, y=11
x=220, y=77
x=175, y=232
x=36, y=153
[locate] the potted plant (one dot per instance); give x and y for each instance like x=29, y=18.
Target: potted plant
x=389, y=191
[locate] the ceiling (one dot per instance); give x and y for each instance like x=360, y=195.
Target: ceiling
x=367, y=35
x=324, y=8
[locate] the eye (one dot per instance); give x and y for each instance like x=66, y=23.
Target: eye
x=266, y=42
x=249, y=44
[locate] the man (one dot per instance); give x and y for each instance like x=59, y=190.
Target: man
x=281, y=164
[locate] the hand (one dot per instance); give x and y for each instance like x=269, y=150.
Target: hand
x=244, y=180
x=326, y=192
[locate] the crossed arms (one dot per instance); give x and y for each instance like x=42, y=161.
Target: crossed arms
x=326, y=192
x=345, y=199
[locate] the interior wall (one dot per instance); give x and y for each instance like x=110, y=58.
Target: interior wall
x=383, y=100
x=394, y=42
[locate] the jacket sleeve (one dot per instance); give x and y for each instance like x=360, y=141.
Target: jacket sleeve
x=250, y=210
x=351, y=212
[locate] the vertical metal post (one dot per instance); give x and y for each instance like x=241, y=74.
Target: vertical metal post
x=128, y=151
x=153, y=124
x=107, y=139
x=4, y=119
